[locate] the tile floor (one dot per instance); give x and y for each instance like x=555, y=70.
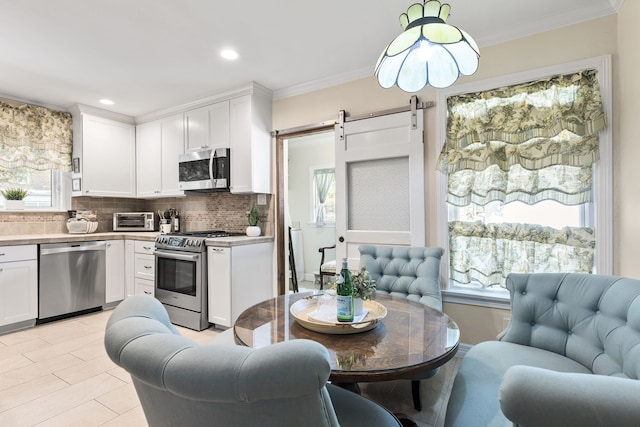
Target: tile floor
x=58, y=374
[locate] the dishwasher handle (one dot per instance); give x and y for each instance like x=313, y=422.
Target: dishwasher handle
x=74, y=247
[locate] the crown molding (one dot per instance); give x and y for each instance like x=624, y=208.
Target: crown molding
x=251, y=88
x=99, y=112
x=322, y=83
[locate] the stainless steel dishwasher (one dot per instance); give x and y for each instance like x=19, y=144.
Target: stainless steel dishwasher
x=72, y=278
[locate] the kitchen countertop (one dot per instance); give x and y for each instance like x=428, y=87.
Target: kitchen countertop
x=33, y=239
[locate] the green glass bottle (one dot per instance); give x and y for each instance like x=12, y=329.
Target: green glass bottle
x=345, y=293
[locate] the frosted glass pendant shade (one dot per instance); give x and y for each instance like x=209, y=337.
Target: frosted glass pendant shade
x=428, y=52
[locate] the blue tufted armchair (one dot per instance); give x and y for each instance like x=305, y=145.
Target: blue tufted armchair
x=407, y=272
x=182, y=383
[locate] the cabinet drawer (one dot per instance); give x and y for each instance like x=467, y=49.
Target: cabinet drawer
x=18, y=253
x=144, y=267
x=143, y=287
x=144, y=247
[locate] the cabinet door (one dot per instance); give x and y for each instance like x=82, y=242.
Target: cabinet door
x=219, y=125
x=129, y=267
x=115, y=268
x=144, y=287
x=18, y=291
x=148, y=157
x=108, y=158
x=144, y=267
x=196, y=128
x=250, y=141
x=219, y=291
x=208, y=126
x=240, y=136
x=172, y=147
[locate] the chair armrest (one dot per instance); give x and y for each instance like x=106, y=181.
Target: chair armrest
x=533, y=397
x=322, y=250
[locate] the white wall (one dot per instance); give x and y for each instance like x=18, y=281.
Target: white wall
x=305, y=153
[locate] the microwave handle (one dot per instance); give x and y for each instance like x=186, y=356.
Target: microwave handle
x=212, y=165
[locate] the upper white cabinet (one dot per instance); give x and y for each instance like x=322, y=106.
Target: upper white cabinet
x=250, y=138
x=106, y=149
x=208, y=126
x=158, y=145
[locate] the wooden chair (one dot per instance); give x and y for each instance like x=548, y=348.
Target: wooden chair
x=326, y=268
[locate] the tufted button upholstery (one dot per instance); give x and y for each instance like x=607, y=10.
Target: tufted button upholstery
x=592, y=319
x=410, y=272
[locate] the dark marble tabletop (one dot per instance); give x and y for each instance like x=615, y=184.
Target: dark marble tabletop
x=410, y=340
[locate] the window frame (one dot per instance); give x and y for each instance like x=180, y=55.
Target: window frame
x=60, y=194
x=313, y=199
x=603, y=176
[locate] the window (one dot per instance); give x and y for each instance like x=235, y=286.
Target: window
x=35, y=154
x=524, y=187
x=324, y=196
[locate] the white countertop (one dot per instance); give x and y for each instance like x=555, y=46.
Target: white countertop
x=32, y=239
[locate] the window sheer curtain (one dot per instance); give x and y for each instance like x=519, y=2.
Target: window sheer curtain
x=529, y=142
x=324, y=179
x=33, y=137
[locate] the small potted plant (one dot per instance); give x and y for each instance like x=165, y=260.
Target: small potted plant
x=253, y=230
x=363, y=288
x=14, y=198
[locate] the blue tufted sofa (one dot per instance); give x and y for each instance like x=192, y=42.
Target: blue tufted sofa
x=570, y=356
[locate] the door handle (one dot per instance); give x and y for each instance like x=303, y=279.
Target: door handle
x=341, y=239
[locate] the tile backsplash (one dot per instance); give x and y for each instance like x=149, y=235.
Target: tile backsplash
x=214, y=211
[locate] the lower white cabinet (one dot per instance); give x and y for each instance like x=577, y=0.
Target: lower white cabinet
x=18, y=284
x=115, y=268
x=140, y=267
x=239, y=277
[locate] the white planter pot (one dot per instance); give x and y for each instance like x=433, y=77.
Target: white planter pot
x=358, y=306
x=253, y=231
x=14, y=205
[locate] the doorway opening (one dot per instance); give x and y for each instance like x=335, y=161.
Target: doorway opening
x=306, y=203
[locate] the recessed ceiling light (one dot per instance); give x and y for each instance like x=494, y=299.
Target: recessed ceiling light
x=229, y=54
x=105, y=101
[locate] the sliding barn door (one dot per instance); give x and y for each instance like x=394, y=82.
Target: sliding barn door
x=379, y=183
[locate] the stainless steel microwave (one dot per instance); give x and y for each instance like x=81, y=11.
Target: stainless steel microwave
x=204, y=170
x=134, y=221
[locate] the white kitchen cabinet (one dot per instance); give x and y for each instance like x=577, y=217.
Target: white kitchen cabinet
x=158, y=145
x=250, y=139
x=140, y=267
x=106, y=149
x=238, y=277
x=115, y=272
x=18, y=285
x=129, y=269
x=208, y=126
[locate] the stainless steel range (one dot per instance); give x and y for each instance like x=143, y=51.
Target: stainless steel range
x=181, y=276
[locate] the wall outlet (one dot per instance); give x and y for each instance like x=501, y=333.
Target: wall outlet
x=262, y=199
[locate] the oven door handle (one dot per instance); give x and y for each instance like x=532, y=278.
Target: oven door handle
x=176, y=255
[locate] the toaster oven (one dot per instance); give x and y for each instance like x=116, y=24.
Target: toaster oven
x=134, y=221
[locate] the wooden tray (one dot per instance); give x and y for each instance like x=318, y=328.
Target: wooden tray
x=300, y=311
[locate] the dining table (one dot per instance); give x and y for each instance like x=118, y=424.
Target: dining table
x=407, y=340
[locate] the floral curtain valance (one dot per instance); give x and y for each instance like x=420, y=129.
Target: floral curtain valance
x=554, y=121
x=487, y=253
x=35, y=137
x=528, y=142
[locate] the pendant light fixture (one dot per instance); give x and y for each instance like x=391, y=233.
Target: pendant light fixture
x=428, y=52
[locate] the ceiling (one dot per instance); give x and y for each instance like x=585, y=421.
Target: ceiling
x=148, y=55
